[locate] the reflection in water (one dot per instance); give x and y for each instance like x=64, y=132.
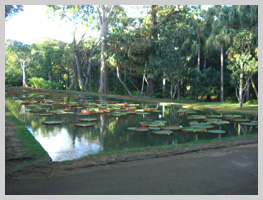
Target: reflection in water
x=101, y=131
x=60, y=147
x=66, y=142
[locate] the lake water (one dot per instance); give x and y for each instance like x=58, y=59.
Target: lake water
x=67, y=142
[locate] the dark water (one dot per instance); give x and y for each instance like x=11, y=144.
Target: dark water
x=67, y=142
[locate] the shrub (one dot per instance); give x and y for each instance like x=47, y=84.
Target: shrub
x=252, y=102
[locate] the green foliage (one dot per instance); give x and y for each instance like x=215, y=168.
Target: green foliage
x=42, y=83
x=252, y=102
x=12, y=10
x=206, y=83
x=231, y=99
x=37, y=82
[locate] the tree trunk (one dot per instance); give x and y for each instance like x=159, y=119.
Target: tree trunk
x=205, y=63
x=143, y=77
x=222, y=74
x=75, y=78
x=79, y=70
x=134, y=86
x=199, y=53
x=24, y=76
x=163, y=83
x=102, y=79
x=241, y=87
x=248, y=91
x=104, y=17
x=50, y=77
x=254, y=86
x=178, y=90
x=89, y=66
x=118, y=75
x=150, y=86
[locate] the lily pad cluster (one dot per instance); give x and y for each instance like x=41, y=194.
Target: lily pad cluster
x=157, y=127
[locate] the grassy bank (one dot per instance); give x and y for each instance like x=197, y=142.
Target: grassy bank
x=34, y=149
x=160, y=147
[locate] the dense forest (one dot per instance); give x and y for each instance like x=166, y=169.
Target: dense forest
x=177, y=52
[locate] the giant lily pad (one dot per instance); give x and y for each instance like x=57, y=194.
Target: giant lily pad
x=203, y=126
x=199, y=123
x=229, y=116
x=165, y=132
x=141, y=130
x=88, y=119
x=142, y=113
x=252, y=123
x=82, y=114
x=45, y=114
x=171, y=128
x=160, y=121
x=238, y=120
x=52, y=122
x=218, y=122
x=193, y=130
x=154, y=128
x=132, y=128
x=196, y=117
x=216, y=131
x=214, y=116
x=84, y=125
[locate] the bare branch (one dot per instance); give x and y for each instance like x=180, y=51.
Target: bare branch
x=173, y=11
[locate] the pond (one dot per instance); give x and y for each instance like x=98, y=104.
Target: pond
x=86, y=124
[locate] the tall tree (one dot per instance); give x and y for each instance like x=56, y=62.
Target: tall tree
x=77, y=15
x=23, y=54
x=155, y=25
x=104, y=12
x=243, y=65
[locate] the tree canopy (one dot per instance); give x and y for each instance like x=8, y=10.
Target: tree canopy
x=170, y=51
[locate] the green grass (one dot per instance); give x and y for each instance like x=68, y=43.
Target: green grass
x=34, y=149
x=21, y=165
x=162, y=147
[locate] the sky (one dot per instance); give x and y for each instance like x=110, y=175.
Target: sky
x=32, y=25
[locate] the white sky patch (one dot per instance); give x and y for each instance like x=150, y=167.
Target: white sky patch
x=32, y=25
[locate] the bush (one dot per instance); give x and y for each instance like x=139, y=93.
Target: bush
x=42, y=83
x=231, y=100
x=252, y=102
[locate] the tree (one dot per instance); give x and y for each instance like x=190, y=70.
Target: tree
x=77, y=15
x=220, y=37
x=104, y=13
x=242, y=64
x=23, y=55
x=155, y=25
x=12, y=10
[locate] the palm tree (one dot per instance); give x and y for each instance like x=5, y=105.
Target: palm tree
x=220, y=37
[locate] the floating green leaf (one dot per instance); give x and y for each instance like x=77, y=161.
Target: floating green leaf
x=88, y=119
x=166, y=132
x=216, y=131
x=194, y=130
x=154, y=128
x=52, y=122
x=84, y=124
x=172, y=128
x=141, y=130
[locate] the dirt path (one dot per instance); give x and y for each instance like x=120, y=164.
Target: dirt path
x=229, y=171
